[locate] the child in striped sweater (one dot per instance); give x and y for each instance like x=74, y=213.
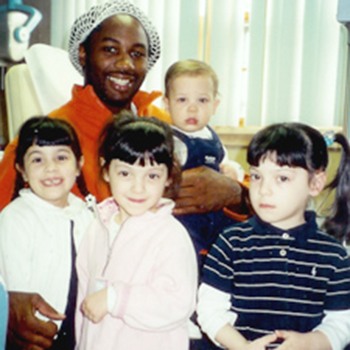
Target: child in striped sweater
x=276, y=280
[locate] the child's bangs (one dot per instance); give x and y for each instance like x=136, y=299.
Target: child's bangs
x=285, y=147
x=142, y=147
x=49, y=136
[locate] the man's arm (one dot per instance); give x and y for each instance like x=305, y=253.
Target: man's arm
x=204, y=190
x=25, y=331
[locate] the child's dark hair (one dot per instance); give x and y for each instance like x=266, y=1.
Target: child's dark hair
x=46, y=131
x=130, y=139
x=299, y=145
x=293, y=144
x=337, y=223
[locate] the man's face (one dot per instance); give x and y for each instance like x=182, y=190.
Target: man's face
x=115, y=60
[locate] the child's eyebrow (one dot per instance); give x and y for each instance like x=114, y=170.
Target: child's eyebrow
x=64, y=149
x=34, y=152
x=286, y=167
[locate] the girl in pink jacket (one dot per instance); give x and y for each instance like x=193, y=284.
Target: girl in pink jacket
x=137, y=268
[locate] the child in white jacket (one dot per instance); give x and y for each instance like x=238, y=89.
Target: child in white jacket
x=44, y=224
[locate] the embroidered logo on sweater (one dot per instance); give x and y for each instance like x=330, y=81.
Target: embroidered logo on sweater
x=210, y=160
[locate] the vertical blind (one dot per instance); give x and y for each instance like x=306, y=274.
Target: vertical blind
x=277, y=60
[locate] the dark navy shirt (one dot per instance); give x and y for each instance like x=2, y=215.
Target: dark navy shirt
x=279, y=279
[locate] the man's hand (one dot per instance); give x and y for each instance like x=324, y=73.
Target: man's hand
x=25, y=331
x=203, y=190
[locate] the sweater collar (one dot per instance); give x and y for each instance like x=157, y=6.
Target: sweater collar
x=87, y=94
x=74, y=207
x=108, y=208
x=301, y=232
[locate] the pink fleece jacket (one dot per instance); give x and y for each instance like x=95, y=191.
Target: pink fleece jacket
x=152, y=267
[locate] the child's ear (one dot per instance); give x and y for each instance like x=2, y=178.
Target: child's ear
x=104, y=170
x=22, y=172
x=216, y=104
x=80, y=165
x=168, y=189
x=166, y=103
x=105, y=175
x=81, y=161
x=317, y=183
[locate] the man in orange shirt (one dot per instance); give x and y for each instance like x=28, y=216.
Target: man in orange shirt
x=113, y=45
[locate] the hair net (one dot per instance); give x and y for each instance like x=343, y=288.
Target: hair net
x=87, y=22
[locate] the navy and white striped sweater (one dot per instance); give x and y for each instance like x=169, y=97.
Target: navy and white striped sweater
x=279, y=279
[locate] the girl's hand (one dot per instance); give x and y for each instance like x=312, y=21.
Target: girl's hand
x=303, y=341
x=261, y=343
x=94, y=306
x=231, y=339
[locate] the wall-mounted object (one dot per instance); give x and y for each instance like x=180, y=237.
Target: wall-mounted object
x=17, y=21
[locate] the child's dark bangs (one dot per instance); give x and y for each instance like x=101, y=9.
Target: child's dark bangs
x=138, y=145
x=285, y=148
x=51, y=137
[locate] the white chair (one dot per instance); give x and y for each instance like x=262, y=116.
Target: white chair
x=38, y=86
x=21, y=99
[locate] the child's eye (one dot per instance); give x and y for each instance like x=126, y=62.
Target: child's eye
x=153, y=176
x=282, y=178
x=203, y=100
x=254, y=177
x=123, y=173
x=181, y=99
x=36, y=160
x=62, y=157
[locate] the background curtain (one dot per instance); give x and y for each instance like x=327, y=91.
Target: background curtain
x=277, y=60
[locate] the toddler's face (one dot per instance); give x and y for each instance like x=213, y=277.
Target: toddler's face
x=191, y=102
x=51, y=172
